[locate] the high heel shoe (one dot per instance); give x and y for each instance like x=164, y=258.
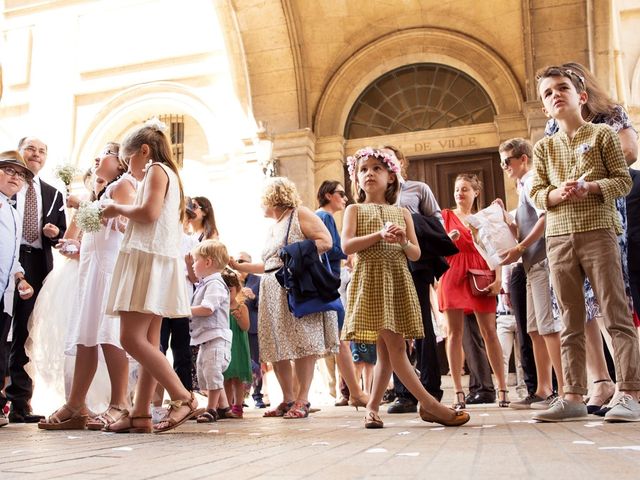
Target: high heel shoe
x=357, y=402
x=503, y=401
x=460, y=401
x=460, y=417
x=596, y=402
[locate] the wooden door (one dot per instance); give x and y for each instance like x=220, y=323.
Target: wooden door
x=440, y=173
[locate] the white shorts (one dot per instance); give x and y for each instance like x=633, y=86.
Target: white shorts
x=213, y=359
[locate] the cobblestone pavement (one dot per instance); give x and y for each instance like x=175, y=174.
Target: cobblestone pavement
x=332, y=443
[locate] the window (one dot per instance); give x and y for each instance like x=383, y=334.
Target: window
x=418, y=97
x=175, y=132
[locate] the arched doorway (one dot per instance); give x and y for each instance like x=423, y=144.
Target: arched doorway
x=431, y=96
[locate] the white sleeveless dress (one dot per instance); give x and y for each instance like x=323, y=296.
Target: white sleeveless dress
x=149, y=273
x=89, y=324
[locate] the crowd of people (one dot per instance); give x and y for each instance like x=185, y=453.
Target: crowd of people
x=147, y=272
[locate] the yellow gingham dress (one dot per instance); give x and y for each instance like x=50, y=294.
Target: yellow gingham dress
x=381, y=294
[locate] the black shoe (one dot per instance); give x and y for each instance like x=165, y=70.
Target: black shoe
x=259, y=403
x=16, y=416
x=478, y=398
x=389, y=396
x=402, y=405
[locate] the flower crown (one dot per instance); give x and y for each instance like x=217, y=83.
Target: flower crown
x=388, y=159
x=156, y=124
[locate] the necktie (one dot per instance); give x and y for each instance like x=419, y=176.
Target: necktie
x=30, y=222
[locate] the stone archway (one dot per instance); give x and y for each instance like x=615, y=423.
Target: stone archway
x=419, y=45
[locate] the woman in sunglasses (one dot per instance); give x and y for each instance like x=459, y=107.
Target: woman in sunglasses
x=332, y=198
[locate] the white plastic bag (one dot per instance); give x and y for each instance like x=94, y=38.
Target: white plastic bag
x=491, y=235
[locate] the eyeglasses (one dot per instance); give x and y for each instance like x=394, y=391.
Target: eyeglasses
x=505, y=162
x=195, y=206
x=32, y=149
x=108, y=152
x=240, y=260
x=12, y=172
x=342, y=193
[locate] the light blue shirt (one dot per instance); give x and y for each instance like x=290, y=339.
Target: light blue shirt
x=9, y=243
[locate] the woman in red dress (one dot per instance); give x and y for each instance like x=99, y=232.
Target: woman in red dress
x=454, y=293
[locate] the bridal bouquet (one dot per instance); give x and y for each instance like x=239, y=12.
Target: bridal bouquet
x=89, y=217
x=66, y=173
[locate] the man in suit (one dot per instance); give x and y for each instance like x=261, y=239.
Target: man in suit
x=41, y=207
x=13, y=175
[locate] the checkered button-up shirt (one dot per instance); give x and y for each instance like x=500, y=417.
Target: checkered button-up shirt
x=595, y=151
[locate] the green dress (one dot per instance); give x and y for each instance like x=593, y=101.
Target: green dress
x=240, y=365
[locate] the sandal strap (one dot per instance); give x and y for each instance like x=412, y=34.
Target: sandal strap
x=55, y=417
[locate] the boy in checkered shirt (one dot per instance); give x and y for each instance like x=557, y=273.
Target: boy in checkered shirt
x=579, y=172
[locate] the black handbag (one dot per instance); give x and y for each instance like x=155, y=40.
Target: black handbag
x=300, y=305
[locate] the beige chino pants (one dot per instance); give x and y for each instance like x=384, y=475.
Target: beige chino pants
x=596, y=254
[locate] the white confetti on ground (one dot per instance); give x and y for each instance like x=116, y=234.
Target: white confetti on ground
x=583, y=442
x=403, y=433
x=414, y=421
x=377, y=450
x=108, y=433
x=213, y=431
x=485, y=426
x=71, y=437
x=319, y=443
x=15, y=452
x=435, y=429
x=255, y=434
x=304, y=429
x=122, y=449
x=627, y=447
x=594, y=424
x=407, y=454
x=483, y=415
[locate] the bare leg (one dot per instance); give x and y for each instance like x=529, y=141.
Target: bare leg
x=367, y=377
x=596, y=363
x=118, y=368
x=347, y=370
x=83, y=373
x=284, y=374
x=543, y=365
x=552, y=341
x=228, y=390
x=304, y=374
x=397, y=355
x=487, y=324
x=455, y=328
x=381, y=376
x=213, y=398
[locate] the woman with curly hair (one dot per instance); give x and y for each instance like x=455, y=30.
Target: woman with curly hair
x=284, y=339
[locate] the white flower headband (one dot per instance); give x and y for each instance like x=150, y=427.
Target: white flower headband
x=156, y=124
x=389, y=159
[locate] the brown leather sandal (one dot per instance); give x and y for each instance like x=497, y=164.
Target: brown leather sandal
x=130, y=425
x=372, y=420
x=173, y=422
x=76, y=421
x=279, y=411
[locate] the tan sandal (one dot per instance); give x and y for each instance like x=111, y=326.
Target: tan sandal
x=174, y=405
x=105, y=419
x=129, y=426
x=76, y=421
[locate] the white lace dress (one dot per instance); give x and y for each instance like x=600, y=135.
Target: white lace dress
x=89, y=324
x=149, y=273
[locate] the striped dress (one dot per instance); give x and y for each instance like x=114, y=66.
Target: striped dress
x=381, y=294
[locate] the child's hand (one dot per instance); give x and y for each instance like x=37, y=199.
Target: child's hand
x=386, y=235
x=494, y=288
x=110, y=211
x=399, y=234
x=454, y=234
x=73, y=201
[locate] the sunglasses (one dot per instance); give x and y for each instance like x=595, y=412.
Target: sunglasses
x=342, y=193
x=12, y=172
x=505, y=162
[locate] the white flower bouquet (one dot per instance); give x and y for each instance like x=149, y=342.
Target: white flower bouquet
x=89, y=217
x=66, y=173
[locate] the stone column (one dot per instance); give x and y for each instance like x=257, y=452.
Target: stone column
x=295, y=151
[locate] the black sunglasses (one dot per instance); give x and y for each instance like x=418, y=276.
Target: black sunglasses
x=505, y=162
x=342, y=193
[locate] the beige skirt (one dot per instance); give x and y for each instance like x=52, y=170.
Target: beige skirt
x=147, y=283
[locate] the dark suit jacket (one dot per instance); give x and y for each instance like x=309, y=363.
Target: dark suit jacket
x=56, y=217
x=434, y=244
x=633, y=221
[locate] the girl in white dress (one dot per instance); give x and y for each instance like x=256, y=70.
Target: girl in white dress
x=88, y=325
x=148, y=279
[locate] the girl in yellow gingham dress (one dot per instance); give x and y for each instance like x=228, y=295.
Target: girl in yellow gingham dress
x=382, y=304
x=381, y=293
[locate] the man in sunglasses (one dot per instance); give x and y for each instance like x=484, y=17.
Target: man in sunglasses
x=543, y=329
x=40, y=206
x=13, y=175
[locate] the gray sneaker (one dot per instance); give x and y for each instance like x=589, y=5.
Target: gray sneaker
x=544, y=404
x=525, y=404
x=626, y=409
x=562, y=410
x=3, y=419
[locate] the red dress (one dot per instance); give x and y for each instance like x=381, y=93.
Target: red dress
x=454, y=292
